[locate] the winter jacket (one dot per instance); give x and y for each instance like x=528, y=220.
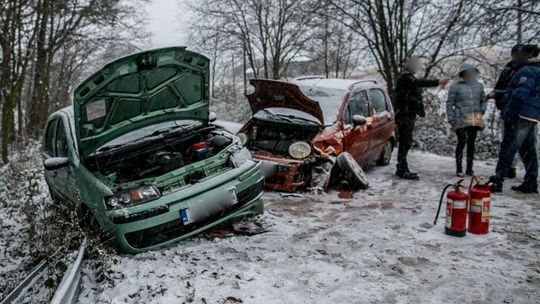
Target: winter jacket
x=503, y=82
x=466, y=103
x=523, y=95
x=409, y=95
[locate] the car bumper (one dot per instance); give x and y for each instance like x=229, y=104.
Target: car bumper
x=161, y=223
x=286, y=175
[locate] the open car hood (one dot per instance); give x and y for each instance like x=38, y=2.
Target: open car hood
x=279, y=94
x=137, y=91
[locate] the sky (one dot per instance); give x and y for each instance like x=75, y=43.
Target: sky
x=168, y=22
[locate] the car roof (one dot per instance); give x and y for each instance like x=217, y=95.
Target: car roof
x=335, y=83
x=67, y=110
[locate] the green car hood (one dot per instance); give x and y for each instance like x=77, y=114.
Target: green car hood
x=137, y=91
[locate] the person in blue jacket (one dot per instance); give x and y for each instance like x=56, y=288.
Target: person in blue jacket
x=521, y=114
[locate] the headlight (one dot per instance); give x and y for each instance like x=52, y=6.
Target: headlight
x=239, y=157
x=300, y=149
x=133, y=196
x=243, y=138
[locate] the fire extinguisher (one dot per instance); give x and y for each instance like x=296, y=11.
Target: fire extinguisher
x=479, y=208
x=456, y=210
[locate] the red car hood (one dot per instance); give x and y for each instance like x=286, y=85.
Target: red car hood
x=279, y=94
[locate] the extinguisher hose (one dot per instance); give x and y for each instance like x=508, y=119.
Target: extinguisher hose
x=440, y=203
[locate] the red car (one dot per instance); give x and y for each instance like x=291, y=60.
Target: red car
x=300, y=130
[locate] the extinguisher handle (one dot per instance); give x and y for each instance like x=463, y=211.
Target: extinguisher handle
x=440, y=203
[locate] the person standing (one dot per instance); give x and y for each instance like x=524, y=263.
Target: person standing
x=521, y=115
x=409, y=105
x=465, y=108
x=498, y=94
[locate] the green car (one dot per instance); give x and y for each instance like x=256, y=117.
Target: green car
x=138, y=153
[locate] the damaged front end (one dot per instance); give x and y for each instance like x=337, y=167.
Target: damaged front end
x=173, y=185
x=290, y=161
x=153, y=168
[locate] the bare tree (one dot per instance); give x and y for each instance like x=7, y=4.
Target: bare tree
x=47, y=45
x=271, y=33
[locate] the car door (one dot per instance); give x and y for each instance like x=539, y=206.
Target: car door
x=356, y=139
x=383, y=124
x=64, y=178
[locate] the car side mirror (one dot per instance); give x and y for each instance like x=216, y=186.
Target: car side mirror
x=55, y=163
x=358, y=120
x=212, y=117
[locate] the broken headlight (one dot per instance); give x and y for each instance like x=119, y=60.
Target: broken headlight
x=243, y=138
x=239, y=157
x=300, y=149
x=133, y=196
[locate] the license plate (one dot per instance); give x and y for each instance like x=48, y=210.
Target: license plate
x=206, y=208
x=186, y=217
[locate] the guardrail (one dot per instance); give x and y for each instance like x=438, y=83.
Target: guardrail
x=67, y=290
x=28, y=282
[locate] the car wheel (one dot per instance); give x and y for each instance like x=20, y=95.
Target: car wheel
x=352, y=172
x=386, y=155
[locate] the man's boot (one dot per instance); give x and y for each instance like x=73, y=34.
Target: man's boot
x=407, y=175
x=496, y=184
x=525, y=189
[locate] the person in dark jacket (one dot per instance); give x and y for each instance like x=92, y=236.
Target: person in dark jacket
x=465, y=108
x=521, y=114
x=500, y=89
x=409, y=105
x=504, y=79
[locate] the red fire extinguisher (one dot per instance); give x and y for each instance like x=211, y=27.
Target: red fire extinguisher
x=456, y=210
x=479, y=208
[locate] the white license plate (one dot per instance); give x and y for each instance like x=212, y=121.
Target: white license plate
x=204, y=209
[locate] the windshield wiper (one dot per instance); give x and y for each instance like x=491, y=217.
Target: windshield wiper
x=290, y=116
x=141, y=139
x=282, y=117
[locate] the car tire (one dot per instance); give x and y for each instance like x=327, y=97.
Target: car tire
x=352, y=172
x=386, y=154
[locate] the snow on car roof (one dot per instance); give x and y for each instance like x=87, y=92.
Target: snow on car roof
x=333, y=83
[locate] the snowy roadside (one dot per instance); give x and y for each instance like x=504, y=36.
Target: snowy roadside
x=32, y=228
x=377, y=247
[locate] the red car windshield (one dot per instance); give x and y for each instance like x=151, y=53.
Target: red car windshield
x=329, y=100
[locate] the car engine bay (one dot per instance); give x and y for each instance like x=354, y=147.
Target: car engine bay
x=277, y=137
x=160, y=155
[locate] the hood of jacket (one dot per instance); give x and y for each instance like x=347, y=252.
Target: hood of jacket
x=466, y=67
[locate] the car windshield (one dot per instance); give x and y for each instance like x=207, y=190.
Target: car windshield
x=329, y=100
x=151, y=130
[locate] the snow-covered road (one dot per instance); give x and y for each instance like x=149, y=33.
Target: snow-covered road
x=376, y=247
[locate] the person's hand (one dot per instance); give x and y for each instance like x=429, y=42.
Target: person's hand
x=444, y=81
x=490, y=95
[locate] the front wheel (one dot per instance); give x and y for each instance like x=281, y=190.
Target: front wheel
x=386, y=155
x=352, y=171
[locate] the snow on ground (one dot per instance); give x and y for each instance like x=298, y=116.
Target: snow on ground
x=377, y=247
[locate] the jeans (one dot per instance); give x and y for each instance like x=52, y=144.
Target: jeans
x=466, y=136
x=405, y=127
x=519, y=136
